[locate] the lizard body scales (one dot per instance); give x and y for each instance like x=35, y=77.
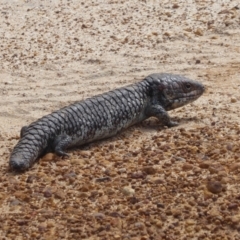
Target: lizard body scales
x=103, y=116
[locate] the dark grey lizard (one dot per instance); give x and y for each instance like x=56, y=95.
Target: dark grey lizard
x=103, y=116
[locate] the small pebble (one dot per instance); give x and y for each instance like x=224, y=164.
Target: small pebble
x=128, y=191
x=159, y=223
x=190, y=222
x=175, y=5
x=234, y=166
x=158, y=180
x=138, y=174
x=15, y=202
x=187, y=167
x=139, y=225
x=233, y=206
x=48, y=157
x=30, y=178
x=99, y=215
x=204, y=165
x=198, y=32
x=214, y=187
x=59, y=194
x=47, y=193
x=62, y=163
x=103, y=179
x=149, y=170
x=70, y=175
x=235, y=219
x=122, y=170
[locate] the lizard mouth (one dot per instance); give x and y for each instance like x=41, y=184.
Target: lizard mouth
x=184, y=99
x=185, y=95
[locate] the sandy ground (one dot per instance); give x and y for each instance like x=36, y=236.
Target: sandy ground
x=148, y=182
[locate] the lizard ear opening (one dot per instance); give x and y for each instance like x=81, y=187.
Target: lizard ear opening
x=161, y=87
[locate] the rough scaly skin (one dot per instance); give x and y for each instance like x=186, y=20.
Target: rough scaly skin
x=103, y=116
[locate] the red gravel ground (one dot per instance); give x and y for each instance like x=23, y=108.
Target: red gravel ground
x=148, y=182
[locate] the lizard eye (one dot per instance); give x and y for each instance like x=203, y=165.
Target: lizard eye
x=188, y=86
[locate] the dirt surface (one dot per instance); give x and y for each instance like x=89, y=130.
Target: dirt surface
x=148, y=182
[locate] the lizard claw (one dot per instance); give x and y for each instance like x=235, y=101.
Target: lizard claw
x=172, y=124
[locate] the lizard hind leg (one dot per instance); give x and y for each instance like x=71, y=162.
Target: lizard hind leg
x=23, y=130
x=61, y=143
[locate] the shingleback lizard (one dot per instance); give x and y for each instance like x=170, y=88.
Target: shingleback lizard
x=103, y=116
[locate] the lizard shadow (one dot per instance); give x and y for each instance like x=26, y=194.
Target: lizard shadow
x=154, y=124
x=149, y=125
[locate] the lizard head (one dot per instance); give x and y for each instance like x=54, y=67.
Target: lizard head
x=174, y=91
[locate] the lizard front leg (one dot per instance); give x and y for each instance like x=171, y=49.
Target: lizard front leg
x=60, y=144
x=161, y=114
